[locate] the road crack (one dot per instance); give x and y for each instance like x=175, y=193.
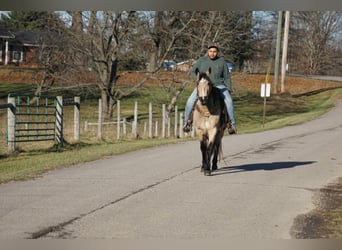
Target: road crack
x=59, y=227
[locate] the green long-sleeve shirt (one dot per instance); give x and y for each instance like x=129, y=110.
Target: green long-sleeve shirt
x=219, y=70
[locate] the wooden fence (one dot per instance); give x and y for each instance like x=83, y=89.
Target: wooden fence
x=150, y=128
x=162, y=125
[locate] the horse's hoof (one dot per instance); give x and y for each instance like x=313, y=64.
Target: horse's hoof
x=207, y=172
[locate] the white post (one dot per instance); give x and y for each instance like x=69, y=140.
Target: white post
x=77, y=106
x=168, y=127
x=150, y=120
x=11, y=124
x=284, y=54
x=145, y=128
x=135, y=124
x=164, y=121
x=59, y=120
x=176, y=121
x=156, y=129
x=118, y=120
x=124, y=126
x=6, y=53
x=181, y=125
x=99, y=127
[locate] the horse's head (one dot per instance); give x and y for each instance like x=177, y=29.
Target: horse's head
x=204, y=86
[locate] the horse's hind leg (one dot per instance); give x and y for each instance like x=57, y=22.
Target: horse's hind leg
x=214, y=163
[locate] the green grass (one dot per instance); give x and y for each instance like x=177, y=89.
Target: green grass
x=281, y=110
x=30, y=164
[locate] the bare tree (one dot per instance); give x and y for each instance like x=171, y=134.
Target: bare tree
x=50, y=56
x=104, y=37
x=315, y=38
x=97, y=38
x=169, y=37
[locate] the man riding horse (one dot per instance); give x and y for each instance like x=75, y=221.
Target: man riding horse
x=220, y=77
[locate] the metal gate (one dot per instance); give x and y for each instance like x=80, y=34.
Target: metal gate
x=35, y=118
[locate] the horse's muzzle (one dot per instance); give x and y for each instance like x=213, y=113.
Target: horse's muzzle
x=203, y=100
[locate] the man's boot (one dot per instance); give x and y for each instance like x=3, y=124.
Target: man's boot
x=231, y=128
x=187, y=127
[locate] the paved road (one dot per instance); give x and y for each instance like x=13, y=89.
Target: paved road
x=319, y=77
x=265, y=180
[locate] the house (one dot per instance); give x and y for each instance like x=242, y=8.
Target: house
x=18, y=47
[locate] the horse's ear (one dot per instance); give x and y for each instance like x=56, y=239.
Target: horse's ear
x=197, y=73
x=208, y=71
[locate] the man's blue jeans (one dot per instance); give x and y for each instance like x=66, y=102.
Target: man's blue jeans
x=224, y=92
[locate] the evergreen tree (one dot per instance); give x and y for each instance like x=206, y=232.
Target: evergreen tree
x=30, y=20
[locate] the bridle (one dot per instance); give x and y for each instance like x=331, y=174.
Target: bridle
x=204, y=87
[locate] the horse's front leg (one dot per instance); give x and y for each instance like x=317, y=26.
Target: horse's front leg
x=212, y=157
x=213, y=149
x=205, y=158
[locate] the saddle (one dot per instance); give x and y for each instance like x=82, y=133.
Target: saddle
x=224, y=117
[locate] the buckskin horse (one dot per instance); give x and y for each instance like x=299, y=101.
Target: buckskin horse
x=209, y=121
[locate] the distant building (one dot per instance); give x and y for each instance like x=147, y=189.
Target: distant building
x=185, y=65
x=19, y=47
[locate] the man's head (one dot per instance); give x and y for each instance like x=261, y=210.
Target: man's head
x=212, y=50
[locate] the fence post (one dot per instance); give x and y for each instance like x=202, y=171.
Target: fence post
x=168, y=127
x=118, y=120
x=145, y=128
x=59, y=120
x=176, y=121
x=86, y=126
x=181, y=125
x=156, y=129
x=150, y=120
x=124, y=129
x=135, y=124
x=11, y=124
x=164, y=121
x=99, y=127
x=77, y=106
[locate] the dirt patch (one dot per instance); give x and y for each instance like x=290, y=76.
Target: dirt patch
x=324, y=222
x=241, y=82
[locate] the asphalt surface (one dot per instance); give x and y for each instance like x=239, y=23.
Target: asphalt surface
x=263, y=183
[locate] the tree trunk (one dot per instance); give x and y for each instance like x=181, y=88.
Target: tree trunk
x=107, y=105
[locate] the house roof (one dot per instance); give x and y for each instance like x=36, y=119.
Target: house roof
x=6, y=33
x=26, y=38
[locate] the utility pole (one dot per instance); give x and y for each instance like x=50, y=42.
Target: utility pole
x=277, y=56
x=284, y=54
